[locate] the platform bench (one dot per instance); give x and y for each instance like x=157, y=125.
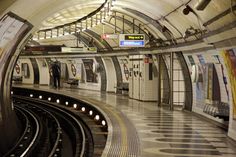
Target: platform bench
x=220, y=110
x=123, y=87
x=72, y=82
x=17, y=79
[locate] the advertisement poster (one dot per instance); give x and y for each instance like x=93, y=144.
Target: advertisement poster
x=191, y=60
x=230, y=62
x=222, y=78
x=201, y=59
x=199, y=82
x=91, y=76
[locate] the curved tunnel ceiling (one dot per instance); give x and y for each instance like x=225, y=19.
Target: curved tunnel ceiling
x=162, y=19
x=67, y=15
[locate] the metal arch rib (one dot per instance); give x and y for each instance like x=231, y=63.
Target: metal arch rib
x=129, y=23
x=86, y=41
x=97, y=37
x=154, y=22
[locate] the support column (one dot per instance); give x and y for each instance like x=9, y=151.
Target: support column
x=159, y=79
x=133, y=25
x=115, y=24
x=171, y=82
x=123, y=24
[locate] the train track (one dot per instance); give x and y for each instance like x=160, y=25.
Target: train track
x=51, y=130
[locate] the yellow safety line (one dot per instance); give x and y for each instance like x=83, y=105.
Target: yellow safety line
x=123, y=128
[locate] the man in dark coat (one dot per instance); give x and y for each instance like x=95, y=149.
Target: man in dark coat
x=56, y=73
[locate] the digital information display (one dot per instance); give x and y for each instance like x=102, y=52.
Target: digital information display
x=132, y=40
x=134, y=37
x=126, y=43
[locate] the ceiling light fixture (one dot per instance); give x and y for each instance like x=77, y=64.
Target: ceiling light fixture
x=202, y=4
x=187, y=10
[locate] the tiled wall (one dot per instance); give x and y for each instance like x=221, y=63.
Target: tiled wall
x=111, y=74
x=124, y=65
x=203, y=60
x=178, y=80
x=30, y=79
x=200, y=88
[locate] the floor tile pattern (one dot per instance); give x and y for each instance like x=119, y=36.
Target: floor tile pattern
x=165, y=133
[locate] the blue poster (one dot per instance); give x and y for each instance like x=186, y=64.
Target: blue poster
x=201, y=59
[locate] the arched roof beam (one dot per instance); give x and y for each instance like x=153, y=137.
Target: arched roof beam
x=154, y=22
x=127, y=22
x=148, y=35
x=98, y=38
x=104, y=42
x=90, y=38
x=148, y=24
x=82, y=36
x=87, y=41
x=145, y=25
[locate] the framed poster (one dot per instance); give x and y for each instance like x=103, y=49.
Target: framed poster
x=191, y=60
x=230, y=62
x=91, y=76
x=201, y=59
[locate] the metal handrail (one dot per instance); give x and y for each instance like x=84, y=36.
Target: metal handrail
x=79, y=20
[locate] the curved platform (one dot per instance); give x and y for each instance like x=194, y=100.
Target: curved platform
x=142, y=129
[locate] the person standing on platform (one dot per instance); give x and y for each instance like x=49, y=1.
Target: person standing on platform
x=56, y=73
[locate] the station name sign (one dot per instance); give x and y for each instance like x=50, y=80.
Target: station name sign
x=132, y=40
x=79, y=49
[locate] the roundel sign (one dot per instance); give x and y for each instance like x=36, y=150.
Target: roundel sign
x=73, y=69
x=17, y=68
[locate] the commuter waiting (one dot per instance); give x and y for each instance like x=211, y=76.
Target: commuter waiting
x=56, y=73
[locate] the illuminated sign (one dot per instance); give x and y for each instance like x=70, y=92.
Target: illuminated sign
x=126, y=43
x=109, y=36
x=134, y=37
x=132, y=40
x=79, y=49
x=72, y=49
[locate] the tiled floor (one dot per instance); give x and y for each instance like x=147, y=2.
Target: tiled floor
x=166, y=133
